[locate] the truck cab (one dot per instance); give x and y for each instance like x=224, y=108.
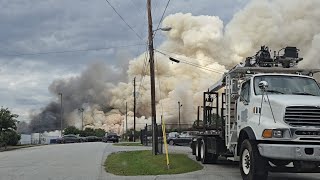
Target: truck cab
x=280, y=113
x=287, y=103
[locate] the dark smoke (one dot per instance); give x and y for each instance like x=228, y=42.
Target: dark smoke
x=47, y=120
x=91, y=88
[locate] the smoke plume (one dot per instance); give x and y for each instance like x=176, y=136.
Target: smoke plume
x=203, y=41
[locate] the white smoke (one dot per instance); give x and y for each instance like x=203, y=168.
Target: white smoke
x=205, y=41
x=277, y=23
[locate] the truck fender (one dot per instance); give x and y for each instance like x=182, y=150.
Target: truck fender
x=245, y=133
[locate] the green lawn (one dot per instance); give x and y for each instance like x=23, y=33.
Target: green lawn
x=144, y=163
x=127, y=144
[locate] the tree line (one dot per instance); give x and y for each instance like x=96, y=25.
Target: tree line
x=84, y=133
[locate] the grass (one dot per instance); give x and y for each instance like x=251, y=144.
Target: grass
x=128, y=144
x=144, y=163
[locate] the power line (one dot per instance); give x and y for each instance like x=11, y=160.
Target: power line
x=159, y=84
x=144, y=69
x=165, y=9
x=138, y=8
x=142, y=13
x=124, y=20
x=202, y=67
x=193, y=64
x=175, y=53
x=70, y=51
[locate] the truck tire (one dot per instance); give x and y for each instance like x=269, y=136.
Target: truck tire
x=193, y=147
x=252, y=165
x=206, y=157
x=198, y=150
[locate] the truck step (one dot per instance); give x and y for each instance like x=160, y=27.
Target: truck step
x=233, y=158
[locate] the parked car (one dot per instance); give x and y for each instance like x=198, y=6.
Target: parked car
x=59, y=140
x=83, y=139
x=70, y=138
x=111, y=137
x=183, y=138
x=92, y=139
x=173, y=134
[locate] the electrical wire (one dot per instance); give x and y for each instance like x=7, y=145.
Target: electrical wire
x=161, y=19
x=159, y=84
x=138, y=8
x=70, y=51
x=144, y=69
x=175, y=53
x=193, y=64
x=124, y=20
x=201, y=67
x=142, y=13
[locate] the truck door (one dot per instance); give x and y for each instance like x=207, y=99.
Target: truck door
x=243, y=105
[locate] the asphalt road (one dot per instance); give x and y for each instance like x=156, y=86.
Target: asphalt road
x=84, y=162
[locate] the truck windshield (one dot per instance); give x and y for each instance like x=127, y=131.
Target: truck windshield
x=288, y=85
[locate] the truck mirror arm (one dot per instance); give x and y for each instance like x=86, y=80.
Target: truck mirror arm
x=245, y=102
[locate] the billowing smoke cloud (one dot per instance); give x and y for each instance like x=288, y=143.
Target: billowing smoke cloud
x=277, y=23
x=202, y=40
x=48, y=119
x=90, y=90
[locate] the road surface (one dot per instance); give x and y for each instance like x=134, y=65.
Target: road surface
x=84, y=162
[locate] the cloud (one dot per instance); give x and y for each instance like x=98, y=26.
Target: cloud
x=42, y=26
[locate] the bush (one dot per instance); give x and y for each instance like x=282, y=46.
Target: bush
x=71, y=130
x=9, y=137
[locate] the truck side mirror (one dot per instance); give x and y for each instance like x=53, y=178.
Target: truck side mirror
x=263, y=85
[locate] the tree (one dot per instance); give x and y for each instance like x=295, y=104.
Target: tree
x=71, y=130
x=7, y=120
x=10, y=137
x=99, y=132
x=8, y=125
x=87, y=132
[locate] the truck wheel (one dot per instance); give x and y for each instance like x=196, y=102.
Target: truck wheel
x=198, y=150
x=193, y=148
x=206, y=157
x=252, y=165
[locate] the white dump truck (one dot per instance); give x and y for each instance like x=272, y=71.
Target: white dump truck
x=264, y=113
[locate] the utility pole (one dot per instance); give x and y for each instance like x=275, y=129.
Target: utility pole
x=126, y=117
x=61, y=113
x=81, y=111
x=152, y=80
x=134, y=109
x=179, y=125
x=198, y=117
x=39, y=130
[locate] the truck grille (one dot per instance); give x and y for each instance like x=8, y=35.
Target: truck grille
x=302, y=116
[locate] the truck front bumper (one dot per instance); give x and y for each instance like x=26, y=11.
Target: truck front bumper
x=290, y=151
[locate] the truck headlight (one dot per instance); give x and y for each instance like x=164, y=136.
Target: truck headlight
x=277, y=133
x=273, y=133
